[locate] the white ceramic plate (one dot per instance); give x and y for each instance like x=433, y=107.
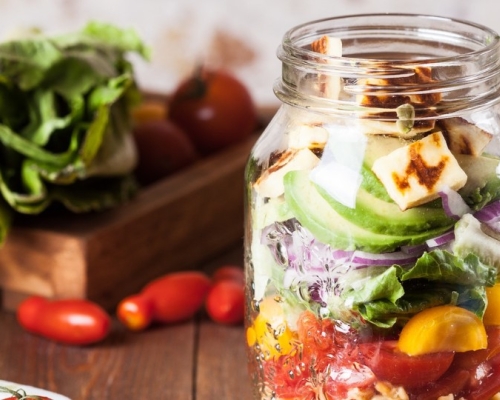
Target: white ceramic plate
x=30, y=390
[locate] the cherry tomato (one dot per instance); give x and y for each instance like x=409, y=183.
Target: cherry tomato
x=163, y=148
x=226, y=302
x=69, y=321
x=177, y=296
x=443, y=328
x=135, y=312
x=214, y=108
x=398, y=368
x=231, y=272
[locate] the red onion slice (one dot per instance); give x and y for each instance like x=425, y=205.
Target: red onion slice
x=490, y=213
x=441, y=239
x=453, y=204
x=365, y=259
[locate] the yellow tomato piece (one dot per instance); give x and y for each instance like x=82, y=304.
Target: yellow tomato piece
x=270, y=330
x=149, y=110
x=442, y=329
x=492, y=313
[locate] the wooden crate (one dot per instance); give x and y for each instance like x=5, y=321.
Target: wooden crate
x=175, y=224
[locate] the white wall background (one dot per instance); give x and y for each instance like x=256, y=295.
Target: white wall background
x=243, y=35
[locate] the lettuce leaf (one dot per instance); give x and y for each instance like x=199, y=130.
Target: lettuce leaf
x=65, y=125
x=390, y=296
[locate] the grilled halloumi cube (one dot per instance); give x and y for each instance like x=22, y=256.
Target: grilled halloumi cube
x=397, y=125
x=463, y=137
x=415, y=173
x=329, y=85
x=270, y=183
x=307, y=136
x=403, y=89
x=395, y=106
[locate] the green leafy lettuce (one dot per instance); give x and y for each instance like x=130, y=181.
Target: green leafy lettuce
x=390, y=296
x=65, y=127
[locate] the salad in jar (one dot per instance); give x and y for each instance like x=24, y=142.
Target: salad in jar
x=373, y=245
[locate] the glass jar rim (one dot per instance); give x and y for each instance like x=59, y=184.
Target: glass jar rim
x=391, y=47
x=490, y=35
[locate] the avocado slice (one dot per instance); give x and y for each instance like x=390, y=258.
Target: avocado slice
x=386, y=217
x=315, y=213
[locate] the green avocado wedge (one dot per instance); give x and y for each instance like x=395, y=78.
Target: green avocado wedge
x=386, y=217
x=315, y=213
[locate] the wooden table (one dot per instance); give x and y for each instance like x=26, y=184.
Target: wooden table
x=195, y=360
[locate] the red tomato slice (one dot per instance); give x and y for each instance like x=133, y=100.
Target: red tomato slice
x=470, y=360
x=398, y=368
x=493, y=349
x=451, y=383
x=488, y=387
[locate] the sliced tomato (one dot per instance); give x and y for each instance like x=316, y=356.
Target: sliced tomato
x=470, y=360
x=451, y=383
x=488, y=387
x=493, y=349
x=390, y=364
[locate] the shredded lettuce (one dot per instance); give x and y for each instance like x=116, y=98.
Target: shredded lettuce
x=438, y=277
x=65, y=125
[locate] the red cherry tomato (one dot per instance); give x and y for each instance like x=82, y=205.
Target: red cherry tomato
x=177, y=296
x=226, y=302
x=398, y=368
x=135, y=312
x=163, y=148
x=69, y=321
x=231, y=272
x=214, y=108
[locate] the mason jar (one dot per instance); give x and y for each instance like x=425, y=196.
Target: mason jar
x=372, y=233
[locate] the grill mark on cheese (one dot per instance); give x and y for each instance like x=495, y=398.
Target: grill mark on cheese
x=462, y=144
x=422, y=75
x=463, y=137
x=426, y=175
x=320, y=45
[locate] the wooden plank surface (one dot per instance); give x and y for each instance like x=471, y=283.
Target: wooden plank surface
x=222, y=371
x=154, y=364
x=195, y=360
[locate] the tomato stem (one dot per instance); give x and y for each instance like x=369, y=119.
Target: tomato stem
x=20, y=394
x=197, y=86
